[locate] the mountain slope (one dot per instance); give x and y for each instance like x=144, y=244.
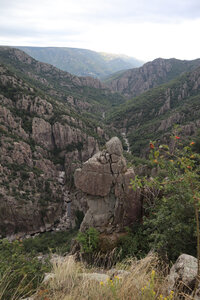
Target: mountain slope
x=46, y=133
x=87, y=91
x=134, y=82
x=82, y=62
x=153, y=114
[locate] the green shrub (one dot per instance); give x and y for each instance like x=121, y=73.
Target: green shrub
x=89, y=240
x=169, y=223
x=134, y=244
x=20, y=272
x=49, y=242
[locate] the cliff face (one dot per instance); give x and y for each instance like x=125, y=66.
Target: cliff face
x=136, y=81
x=42, y=143
x=105, y=184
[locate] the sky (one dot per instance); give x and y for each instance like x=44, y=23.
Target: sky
x=144, y=29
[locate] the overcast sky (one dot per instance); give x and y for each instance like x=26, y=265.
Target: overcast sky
x=145, y=29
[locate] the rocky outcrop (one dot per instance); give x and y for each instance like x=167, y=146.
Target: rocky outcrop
x=92, y=82
x=42, y=133
x=36, y=106
x=105, y=184
x=20, y=218
x=11, y=123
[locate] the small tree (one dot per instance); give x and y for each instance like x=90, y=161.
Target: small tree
x=88, y=240
x=177, y=211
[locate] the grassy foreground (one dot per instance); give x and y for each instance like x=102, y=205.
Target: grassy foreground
x=144, y=280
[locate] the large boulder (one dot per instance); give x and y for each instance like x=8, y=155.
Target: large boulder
x=183, y=274
x=105, y=184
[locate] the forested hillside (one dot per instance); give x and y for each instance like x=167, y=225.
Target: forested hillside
x=152, y=115
x=82, y=62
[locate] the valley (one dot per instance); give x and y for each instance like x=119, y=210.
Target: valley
x=52, y=122
x=73, y=150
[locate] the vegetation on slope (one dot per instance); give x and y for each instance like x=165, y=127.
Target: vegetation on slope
x=152, y=115
x=21, y=271
x=57, y=83
x=169, y=212
x=136, y=81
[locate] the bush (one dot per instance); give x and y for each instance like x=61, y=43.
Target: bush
x=49, y=242
x=89, y=240
x=20, y=272
x=134, y=244
x=169, y=222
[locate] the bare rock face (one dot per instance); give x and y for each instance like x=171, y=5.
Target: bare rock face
x=22, y=154
x=65, y=135
x=36, y=105
x=105, y=182
x=30, y=193
x=9, y=122
x=42, y=133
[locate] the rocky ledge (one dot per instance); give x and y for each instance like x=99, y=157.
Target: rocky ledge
x=105, y=184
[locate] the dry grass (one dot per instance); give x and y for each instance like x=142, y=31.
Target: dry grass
x=69, y=284
x=6, y=289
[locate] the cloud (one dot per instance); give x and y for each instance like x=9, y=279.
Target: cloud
x=119, y=26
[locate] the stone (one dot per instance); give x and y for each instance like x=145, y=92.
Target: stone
x=96, y=277
x=119, y=166
x=183, y=272
x=97, y=184
x=119, y=273
x=12, y=123
x=48, y=277
x=114, y=146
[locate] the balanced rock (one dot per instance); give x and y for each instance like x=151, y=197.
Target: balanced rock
x=105, y=182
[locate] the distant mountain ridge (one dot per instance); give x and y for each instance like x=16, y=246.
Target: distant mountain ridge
x=82, y=62
x=134, y=82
